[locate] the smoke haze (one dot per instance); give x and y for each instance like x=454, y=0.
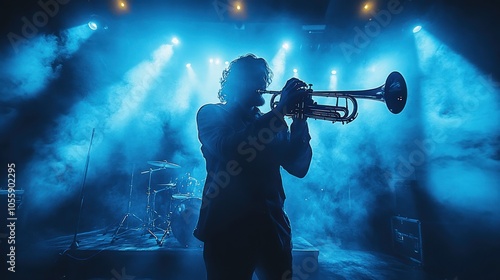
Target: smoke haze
x=142, y=100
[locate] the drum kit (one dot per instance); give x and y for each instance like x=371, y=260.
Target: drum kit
x=180, y=212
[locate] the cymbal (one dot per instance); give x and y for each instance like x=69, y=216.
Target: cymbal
x=163, y=164
x=181, y=196
x=168, y=185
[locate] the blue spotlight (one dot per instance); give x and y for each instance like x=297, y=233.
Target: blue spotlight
x=188, y=65
x=175, y=41
x=417, y=28
x=334, y=72
x=285, y=45
x=96, y=22
x=92, y=25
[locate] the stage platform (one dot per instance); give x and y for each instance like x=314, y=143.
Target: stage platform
x=137, y=255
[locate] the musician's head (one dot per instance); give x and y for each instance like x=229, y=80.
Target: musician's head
x=242, y=78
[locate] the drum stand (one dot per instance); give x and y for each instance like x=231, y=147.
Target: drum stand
x=166, y=220
x=125, y=218
x=152, y=215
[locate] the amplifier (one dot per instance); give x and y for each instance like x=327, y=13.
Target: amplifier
x=407, y=239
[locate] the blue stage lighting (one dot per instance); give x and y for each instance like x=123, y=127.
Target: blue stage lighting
x=417, y=28
x=92, y=25
x=96, y=22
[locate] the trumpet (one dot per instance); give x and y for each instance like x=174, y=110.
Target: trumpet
x=393, y=93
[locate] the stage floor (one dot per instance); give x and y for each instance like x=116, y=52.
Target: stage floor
x=135, y=254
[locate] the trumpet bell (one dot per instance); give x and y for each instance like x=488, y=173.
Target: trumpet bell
x=395, y=92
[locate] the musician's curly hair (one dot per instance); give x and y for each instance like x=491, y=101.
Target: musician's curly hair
x=232, y=75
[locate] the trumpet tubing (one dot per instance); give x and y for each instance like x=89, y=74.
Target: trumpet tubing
x=393, y=93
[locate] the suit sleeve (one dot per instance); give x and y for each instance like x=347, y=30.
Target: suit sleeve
x=297, y=158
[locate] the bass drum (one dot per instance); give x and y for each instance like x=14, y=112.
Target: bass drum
x=184, y=219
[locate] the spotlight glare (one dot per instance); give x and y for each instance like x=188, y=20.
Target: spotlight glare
x=92, y=25
x=334, y=72
x=226, y=62
x=286, y=46
x=417, y=28
x=188, y=65
x=211, y=60
x=175, y=41
x=295, y=70
x=368, y=8
x=237, y=6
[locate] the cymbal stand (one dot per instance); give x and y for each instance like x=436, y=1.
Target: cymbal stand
x=125, y=218
x=151, y=212
x=166, y=220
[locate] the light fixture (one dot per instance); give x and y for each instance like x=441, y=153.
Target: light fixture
x=237, y=6
x=417, y=28
x=96, y=22
x=92, y=25
x=121, y=5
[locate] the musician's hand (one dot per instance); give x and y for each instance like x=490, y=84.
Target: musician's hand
x=293, y=91
x=299, y=131
x=299, y=122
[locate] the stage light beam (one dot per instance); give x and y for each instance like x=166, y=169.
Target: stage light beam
x=278, y=64
x=457, y=98
x=333, y=80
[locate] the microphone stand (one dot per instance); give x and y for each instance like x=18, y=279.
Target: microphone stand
x=75, y=244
